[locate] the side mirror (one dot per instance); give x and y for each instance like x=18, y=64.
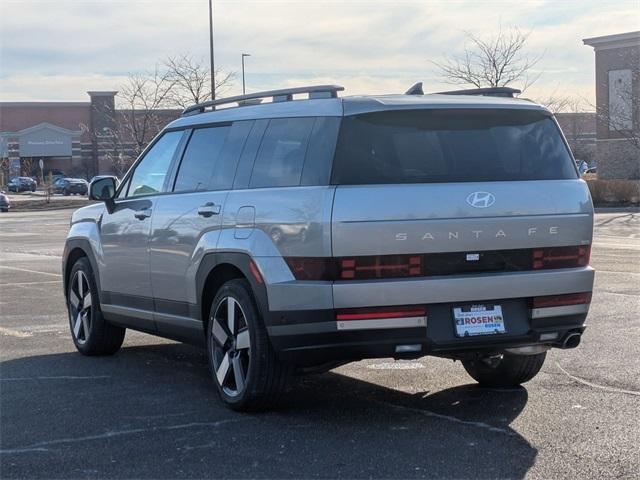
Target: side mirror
x=103, y=189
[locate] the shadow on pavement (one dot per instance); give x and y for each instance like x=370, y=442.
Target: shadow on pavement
x=152, y=412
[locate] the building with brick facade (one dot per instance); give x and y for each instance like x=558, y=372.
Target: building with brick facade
x=617, y=104
x=77, y=138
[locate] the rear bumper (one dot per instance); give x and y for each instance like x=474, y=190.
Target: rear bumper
x=315, y=337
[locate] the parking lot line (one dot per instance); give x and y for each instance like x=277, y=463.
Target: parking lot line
x=30, y=271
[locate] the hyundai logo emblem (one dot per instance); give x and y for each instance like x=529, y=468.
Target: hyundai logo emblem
x=481, y=199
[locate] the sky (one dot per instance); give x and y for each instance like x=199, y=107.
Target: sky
x=57, y=50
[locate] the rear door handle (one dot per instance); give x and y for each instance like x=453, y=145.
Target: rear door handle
x=142, y=214
x=208, y=209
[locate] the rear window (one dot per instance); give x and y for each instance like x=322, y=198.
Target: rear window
x=433, y=146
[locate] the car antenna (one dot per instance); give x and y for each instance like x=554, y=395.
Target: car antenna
x=416, y=89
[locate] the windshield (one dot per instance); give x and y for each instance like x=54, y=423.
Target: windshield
x=452, y=145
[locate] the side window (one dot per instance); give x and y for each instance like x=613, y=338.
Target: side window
x=151, y=172
x=201, y=158
x=322, y=146
x=282, y=151
x=123, y=191
x=225, y=171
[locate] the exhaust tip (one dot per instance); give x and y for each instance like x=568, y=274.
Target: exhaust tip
x=572, y=340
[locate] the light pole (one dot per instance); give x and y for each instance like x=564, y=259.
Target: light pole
x=244, y=55
x=213, y=70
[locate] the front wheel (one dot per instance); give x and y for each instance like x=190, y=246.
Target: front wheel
x=243, y=364
x=91, y=334
x=507, y=370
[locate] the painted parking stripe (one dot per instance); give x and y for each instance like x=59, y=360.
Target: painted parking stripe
x=30, y=271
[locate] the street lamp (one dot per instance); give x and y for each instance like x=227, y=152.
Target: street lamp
x=213, y=71
x=244, y=55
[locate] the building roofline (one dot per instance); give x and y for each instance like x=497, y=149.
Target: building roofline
x=106, y=93
x=627, y=39
x=44, y=104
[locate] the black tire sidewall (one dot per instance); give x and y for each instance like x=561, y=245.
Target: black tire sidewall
x=240, y=291
x=512, y=370
x=103, y=338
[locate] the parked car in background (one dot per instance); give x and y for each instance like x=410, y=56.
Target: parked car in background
x=583, y=166
x=21, y=184
x=5, y=204
x=69, y=186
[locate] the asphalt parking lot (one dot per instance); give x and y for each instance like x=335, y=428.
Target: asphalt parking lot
x=151, y=411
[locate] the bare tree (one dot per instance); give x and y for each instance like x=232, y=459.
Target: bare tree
x=496, y=61
x=191, y=80
x=142, y=97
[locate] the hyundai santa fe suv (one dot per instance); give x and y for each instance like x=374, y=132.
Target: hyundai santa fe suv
x=304, y=233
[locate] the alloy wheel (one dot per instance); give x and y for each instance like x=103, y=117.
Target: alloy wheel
x=231, y=346
x=80, y=307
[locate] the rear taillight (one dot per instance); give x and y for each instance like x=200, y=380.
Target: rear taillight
x=561, y=257
x=378, y=313
x=561, y=300
x=309, y=268
x=387, y=266
x=356, y=268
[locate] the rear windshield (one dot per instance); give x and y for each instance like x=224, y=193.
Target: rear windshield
x=432, y=146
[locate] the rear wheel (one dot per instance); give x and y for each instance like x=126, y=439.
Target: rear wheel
x=506, y=370
x=243, y=364
x=91, y=334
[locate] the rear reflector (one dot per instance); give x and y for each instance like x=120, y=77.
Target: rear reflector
x=561, y=257
x=561, y=300
x=381, y=313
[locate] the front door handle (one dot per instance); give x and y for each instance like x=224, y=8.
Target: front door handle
x=208, y=209
x=142, y=214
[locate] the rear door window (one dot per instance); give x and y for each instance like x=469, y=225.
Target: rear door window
x=450, y=145
x=201, y=159
x=282, y=152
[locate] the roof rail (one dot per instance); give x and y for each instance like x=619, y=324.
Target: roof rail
x=489, y=92
x=282, y=95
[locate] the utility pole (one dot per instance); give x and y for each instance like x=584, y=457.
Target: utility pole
x=213, y=70
x=244, y=55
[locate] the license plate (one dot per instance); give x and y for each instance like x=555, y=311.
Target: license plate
x=472, y=320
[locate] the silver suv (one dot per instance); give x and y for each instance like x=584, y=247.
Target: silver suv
x=303, y=233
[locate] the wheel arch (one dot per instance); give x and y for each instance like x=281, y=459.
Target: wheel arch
x=74, y=250
x=220, y=267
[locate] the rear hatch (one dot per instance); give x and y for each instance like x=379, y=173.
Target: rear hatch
x=456, y=181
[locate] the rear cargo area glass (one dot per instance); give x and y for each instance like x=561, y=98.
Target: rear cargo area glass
x=450, y=145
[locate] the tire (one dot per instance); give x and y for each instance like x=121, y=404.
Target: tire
x=65, y=192
x=4, y=210
x=33, y=189
x=511, y=370
x=85, y=315
x=243, y=364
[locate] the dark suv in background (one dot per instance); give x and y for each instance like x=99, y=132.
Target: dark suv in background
x=68, y=186
x=22, y=184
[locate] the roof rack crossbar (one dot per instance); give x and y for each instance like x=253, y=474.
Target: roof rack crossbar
x=285, y=94
x=489, y=92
